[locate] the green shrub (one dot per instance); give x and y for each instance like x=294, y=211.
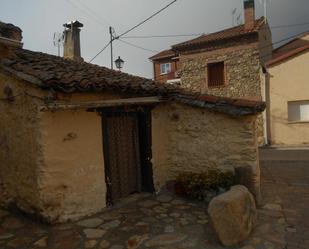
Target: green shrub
x=199, y=185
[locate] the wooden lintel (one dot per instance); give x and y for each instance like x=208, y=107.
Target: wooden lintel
x=54, y=106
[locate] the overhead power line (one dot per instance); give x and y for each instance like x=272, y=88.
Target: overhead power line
x=150, y=50
x=147, y=19
x=199, y=34
x=136, y=46
x=159, y=36
x=93, y=12
x=100, y=51
x=88, y=12
x=134, y=27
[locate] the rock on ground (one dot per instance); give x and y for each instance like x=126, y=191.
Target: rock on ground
x=233, y=215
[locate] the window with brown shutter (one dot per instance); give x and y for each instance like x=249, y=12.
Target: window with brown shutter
x=216, y=75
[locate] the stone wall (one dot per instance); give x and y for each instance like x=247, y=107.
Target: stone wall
x=242, y=69
x=265, y=44
x=20, y=150
x=193, y=139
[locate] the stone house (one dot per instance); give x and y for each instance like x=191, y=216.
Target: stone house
x=288, y=93
x=229, y=63
x=75, y=137
x=226, y=63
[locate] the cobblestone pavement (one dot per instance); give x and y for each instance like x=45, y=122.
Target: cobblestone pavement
x=167, y=222
x=144, y=222
x=285, y=189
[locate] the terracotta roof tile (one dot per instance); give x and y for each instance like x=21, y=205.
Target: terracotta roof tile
x=226, y=34
x=69, y=76
x=235, y=107
x=53, y=72
x=290, y=49
x=164, y=54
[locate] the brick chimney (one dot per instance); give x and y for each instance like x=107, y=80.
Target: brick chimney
x=249, y=14
x=10, y=39
x=72, y=41
x=12, y=34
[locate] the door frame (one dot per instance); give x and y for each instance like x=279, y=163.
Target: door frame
x=145, y=143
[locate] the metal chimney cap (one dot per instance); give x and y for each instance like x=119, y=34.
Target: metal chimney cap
x=75, y=24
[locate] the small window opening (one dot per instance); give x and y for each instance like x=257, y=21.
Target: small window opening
x=216, y=75
x=165, y=68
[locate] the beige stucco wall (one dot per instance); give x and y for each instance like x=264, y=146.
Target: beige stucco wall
x=51, y=163
x=193, y=139
x=288, y=82
x=20, y=150
x=72, y=180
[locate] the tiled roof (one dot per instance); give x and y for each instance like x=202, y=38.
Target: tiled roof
x=66, y=75
x=290, y=49
x=226, y=34
x=164, y=54
x=53, y=72
x=235, y=107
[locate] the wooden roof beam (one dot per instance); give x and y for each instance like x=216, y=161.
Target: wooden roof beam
x=56, y=106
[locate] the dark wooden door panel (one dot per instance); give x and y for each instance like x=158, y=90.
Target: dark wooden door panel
x=124, y=172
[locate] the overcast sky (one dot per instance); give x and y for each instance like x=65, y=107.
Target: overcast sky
x=39, y=19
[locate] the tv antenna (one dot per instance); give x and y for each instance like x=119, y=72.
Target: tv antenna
x=233, y=16
x=264, y=3
x=238, y=19
x=58, y=41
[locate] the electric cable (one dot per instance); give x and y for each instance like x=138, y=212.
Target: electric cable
x=147, y=19
x=137, y=46
x=134, y=27
x=101, y=51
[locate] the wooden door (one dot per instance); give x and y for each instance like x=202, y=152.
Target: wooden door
x=122, y=154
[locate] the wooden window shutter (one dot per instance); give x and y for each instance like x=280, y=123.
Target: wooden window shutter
x=216, y=75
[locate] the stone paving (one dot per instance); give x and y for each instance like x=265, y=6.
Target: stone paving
x=168, y=222
x=142, y=222
x=285, y=188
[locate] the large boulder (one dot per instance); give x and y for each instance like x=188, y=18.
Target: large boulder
x=233, y=215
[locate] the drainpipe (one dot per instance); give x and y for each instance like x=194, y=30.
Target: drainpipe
x=266, y=114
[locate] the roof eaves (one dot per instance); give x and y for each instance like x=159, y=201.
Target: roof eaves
x=286, y=56
x=23, y=76
x=211, y=43
x=188, y=44
x=169, y=54
x=227, y=106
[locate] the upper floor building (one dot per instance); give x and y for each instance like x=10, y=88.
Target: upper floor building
x=166, y=66
x=287, y=90
x=226, y=63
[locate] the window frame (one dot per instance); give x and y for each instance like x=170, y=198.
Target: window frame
x=209, y=64
x=297, y=104
x=164, y=65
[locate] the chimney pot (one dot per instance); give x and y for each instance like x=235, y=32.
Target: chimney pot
x=72, y=41
x=249, y=14
x=10, y=40
x=10, y=31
